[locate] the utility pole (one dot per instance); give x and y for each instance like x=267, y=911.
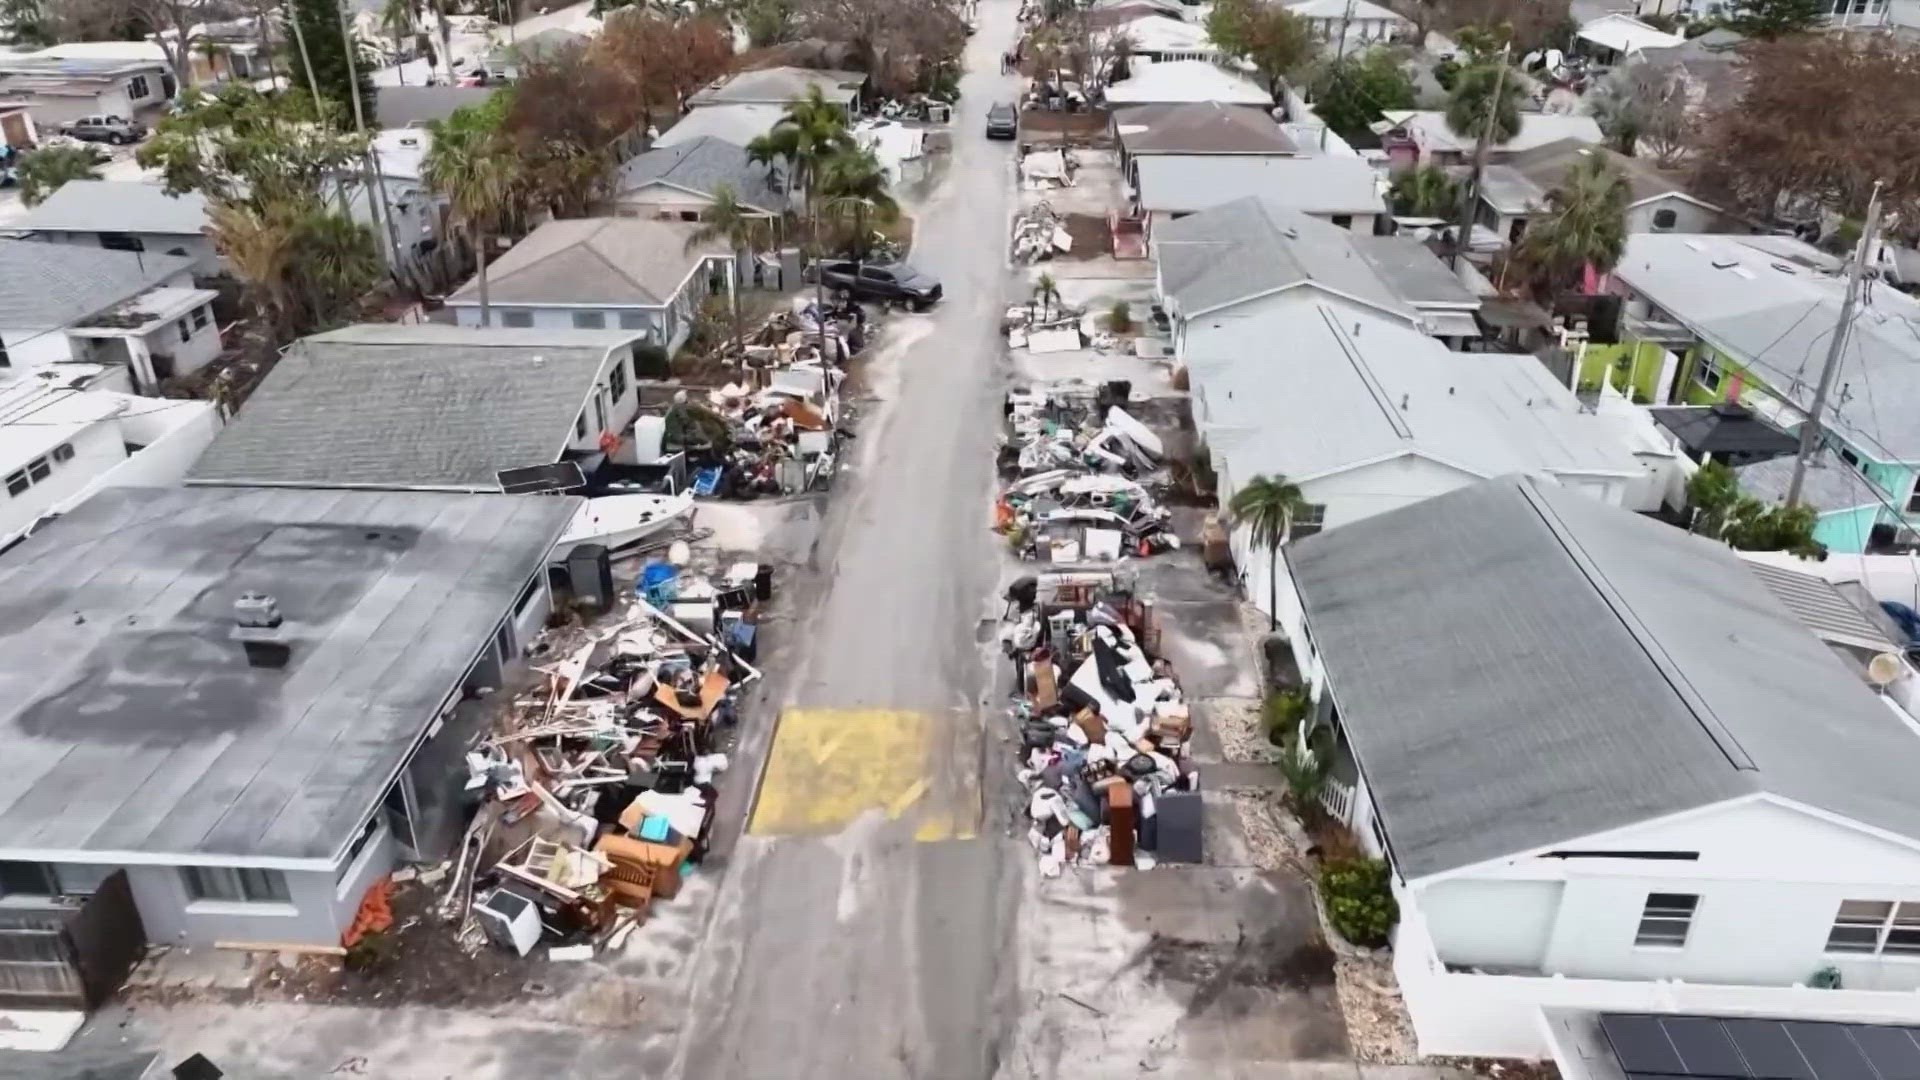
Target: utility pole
x=377, y=210
x=1346, y=21
x=1463, y=232
x=1836, y=348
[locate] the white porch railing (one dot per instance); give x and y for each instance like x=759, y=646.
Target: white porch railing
x=1337, y=798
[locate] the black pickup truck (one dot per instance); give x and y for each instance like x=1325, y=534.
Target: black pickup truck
x=882, y=281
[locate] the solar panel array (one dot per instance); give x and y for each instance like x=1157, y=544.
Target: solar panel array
x=1716, y=1048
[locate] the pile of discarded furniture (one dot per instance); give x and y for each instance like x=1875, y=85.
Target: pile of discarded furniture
x=595, y=795
x=1076, y=468
x=1039, y=233
x=1103, y=727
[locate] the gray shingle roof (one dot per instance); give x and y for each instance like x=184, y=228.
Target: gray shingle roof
x=132, y=721
x=1252, y=246
x=435, y=407
x=1546, y=166
x=1519, y=666
x=630, y=262
x=702, y=165
x=737, y=124
x=117, y=206
x=45, y=285
x=1201, y=127
x=780, y=85
x=1414, y=273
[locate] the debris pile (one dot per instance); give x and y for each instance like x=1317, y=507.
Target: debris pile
x=596, y=794
x=1039, y=233
x=1103, y=726
x=1044, y=169
x=1077, y=468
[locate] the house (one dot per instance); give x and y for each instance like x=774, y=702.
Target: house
x=253, y=781
x=736, y=124
x=59, y=91
x=1513, y=192
x=409, y=211
x=137, y=315
x=428, y=407
x=1243, y=259
x=1196, y=129
x=1105, y=13
x=1179, y=81
x=679, y=182
x=1727, y=432
x=1161, y=39
x=593, y=273
x=1366, y=23
x=125, y=215
x=1749, y=318
x=506, y=61
x=1613, y=37
x=417, y=106
x=239, y=48
x=781, y=85
x=61, y=443
x=1334, y=188
x=1417, y=137
x=1619, y=775
x=1707, y=66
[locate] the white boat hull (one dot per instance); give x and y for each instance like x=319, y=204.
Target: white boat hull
x=618, y=521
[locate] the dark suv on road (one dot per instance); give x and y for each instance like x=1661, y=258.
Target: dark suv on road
x=1002, y=122
x=882, y=281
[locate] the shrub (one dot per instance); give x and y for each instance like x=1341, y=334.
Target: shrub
x=1120, y=320
x=1359, y=900
x=1283, y=712
x=1446, y=72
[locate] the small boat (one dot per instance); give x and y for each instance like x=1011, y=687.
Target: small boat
x=618, y=521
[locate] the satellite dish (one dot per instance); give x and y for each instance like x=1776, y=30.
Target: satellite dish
x=1885, y=669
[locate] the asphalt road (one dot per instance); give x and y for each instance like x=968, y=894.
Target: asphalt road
x=865, y=924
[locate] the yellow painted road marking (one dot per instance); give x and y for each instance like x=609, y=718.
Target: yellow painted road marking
x=829, y=766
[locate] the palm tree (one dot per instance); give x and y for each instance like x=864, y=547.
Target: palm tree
x=812, y=130
x=336, y=261
x=259, y=246
x=399, y=20
x=1585, y=224
x=1485, y=99
x=729, y=220
x=43, y=172
x=1046, y=292
x=854, y=182
x=1267, y=506
x=1426, y=191
x=478, y=173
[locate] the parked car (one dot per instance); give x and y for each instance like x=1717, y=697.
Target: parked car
x=1002, y=121
x=882, y=281
x=117, y=130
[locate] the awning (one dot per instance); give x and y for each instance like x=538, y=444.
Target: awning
x=1627, y=35
x=1451, y=324
x=1816, y=602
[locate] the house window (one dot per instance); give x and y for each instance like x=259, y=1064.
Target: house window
x=1667, y=918
x=37, y=469
x=1706, y=374
x=1913, y=500
x=119, y=241
x=1876, y=927
x=689, y=215
x=186, y=330
x=27, y=879
x=516, y=320
x=137, y=87
x=200, y=317
x=617, y=378
x=1311, y=519
x=63, y=452
x=235, y=884
x=1664, y=220
x=5, y=360
x=635, y=320
x=17, y=482
x=526, y=596
x=580, y=425
x=1345, y=221
x=589, y=320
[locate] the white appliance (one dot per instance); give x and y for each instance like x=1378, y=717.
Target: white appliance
x=510, y=920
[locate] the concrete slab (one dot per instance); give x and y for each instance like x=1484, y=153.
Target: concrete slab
x=38, y=1030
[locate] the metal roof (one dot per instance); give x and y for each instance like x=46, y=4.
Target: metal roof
x=135, y=727
x=1814, y=601
x=117, y=206
x=1519, y=666
x=1323, y=184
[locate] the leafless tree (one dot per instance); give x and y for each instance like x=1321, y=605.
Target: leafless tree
x=1644, y=107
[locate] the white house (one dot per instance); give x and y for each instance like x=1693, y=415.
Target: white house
x=602, y=273
x=125, y=215
x=1512, y=193
x=407, y=209
x=1616, y=35
x=1365, y=23
x=1179, y=81
x=1612, y=771
x=60, y=445
x=1422, y=137
x=59, y=89
x=1161, y=38
x=136, y=314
